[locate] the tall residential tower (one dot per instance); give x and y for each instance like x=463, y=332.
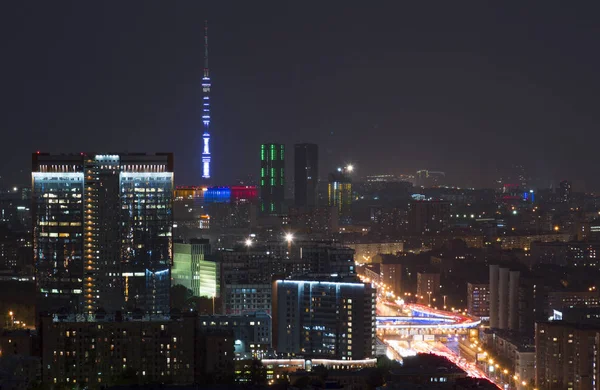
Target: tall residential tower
x=102, y=231
x=206, y=110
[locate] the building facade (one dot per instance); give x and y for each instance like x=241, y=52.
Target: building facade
x=478, y=299
x=324, y=318
x=428, y=217
x=194, y=268
x=102, y=231
x=272, y=178
x=566, y=356
x=339, y=193
x=251, y=332
x=96, y=351
x=428, y=286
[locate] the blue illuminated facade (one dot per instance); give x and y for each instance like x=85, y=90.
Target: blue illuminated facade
x=217, y=195
x=206, y=158
x=324, y=319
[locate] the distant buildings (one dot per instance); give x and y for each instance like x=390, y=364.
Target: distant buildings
x=564, y=191
x=428, y=217
x=366, y=252
x=306, y=174
x=322, y=221
x=572, y=253
x=102, y=231
x=425, y=178
x=188, y=206
x=233, y=207
x=324, y=318
x=272, y=178
x=428, y=286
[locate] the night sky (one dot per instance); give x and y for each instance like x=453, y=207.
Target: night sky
x=463, y=87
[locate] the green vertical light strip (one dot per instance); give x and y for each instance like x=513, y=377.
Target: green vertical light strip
x=281, y=154
x=273, y=153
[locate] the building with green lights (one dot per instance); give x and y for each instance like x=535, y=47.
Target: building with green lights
x=194, y=268
x=272, y=178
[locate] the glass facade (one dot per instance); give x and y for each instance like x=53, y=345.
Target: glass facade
x=146, y=200
x=58, y=237
x=194, y=269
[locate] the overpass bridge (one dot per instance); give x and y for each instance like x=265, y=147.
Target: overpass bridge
x=423, y=320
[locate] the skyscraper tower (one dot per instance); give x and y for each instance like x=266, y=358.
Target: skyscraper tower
x=306, y=174
x=272, y=176
x=206, y=110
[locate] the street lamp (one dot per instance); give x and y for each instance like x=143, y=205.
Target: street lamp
x=289, y=237
x=248, y=242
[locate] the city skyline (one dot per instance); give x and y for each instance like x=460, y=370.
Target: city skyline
x=400, y=82
x=398, y=195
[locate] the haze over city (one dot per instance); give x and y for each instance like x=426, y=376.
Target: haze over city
x=464, y=88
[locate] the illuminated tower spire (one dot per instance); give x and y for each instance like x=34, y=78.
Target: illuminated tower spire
x=206, y=110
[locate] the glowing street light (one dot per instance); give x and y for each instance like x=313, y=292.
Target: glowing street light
x=248, y=242
x=289, y=237
x=350, y=168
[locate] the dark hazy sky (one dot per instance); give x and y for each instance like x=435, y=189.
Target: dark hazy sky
x=457, y=86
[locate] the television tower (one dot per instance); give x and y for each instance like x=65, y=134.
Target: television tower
x=206, y=110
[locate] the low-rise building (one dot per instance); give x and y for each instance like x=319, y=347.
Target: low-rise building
x=251, y=332
x=240, y=299
x=99, y=350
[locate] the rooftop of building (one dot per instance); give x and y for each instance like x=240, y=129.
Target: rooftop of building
x=256, y=314
x=104, y=317
x=523, y=343
x=424, y=364
x=571, y=325
x=328, y=278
